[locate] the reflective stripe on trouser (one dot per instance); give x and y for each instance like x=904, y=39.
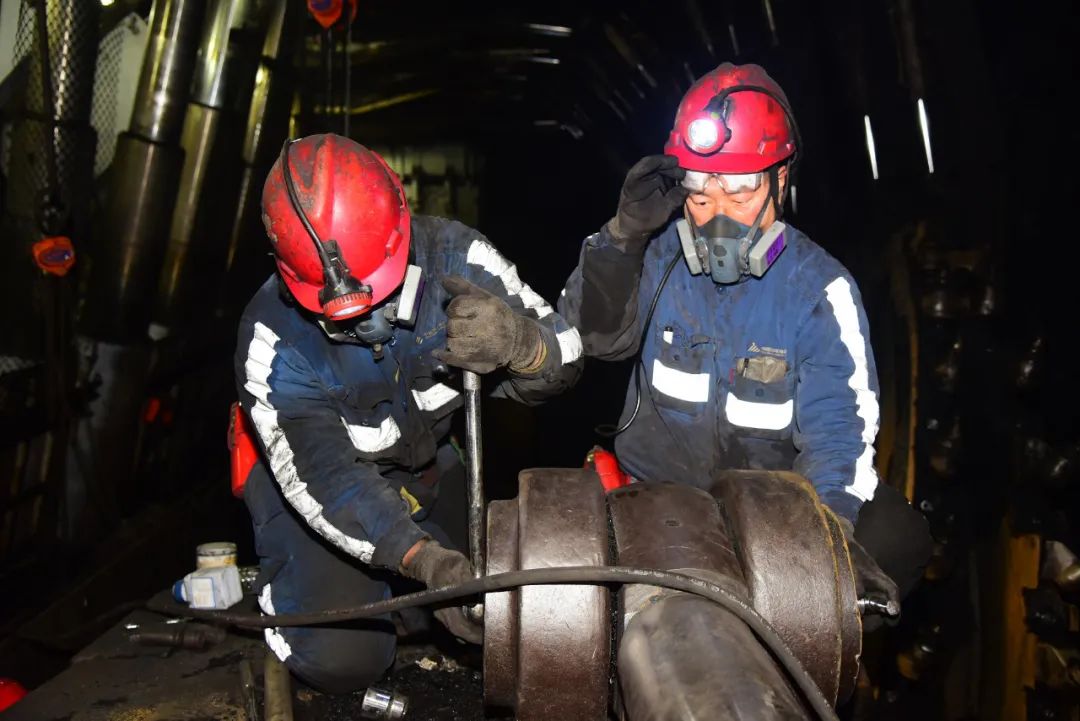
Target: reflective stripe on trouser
x=303, y=572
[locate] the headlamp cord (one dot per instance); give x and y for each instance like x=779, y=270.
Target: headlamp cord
x=336, y=274
x=610, y=430
x=294, y=201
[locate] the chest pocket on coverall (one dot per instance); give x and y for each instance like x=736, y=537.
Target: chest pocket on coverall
x=365, y=410
x=681, y=370
x=760, y=402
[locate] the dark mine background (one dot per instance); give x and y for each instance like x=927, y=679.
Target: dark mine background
x=521, y=119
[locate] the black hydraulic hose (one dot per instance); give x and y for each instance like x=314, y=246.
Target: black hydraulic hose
x=539, y=576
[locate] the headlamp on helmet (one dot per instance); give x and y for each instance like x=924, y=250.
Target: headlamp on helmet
x=703, y=135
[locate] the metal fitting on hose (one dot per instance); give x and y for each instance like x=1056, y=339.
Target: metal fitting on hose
x=383, y=705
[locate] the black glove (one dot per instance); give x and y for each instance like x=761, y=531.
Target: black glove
x=436, y=567
x=483, y=333
x=870, y=581
x=650, y=194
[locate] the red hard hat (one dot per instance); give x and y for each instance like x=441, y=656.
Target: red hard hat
x=745, y=132
x=350, y=196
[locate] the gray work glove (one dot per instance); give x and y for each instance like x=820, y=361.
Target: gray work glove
x=483, y=333
x=651, y=192
x=436, y=567
x=870, y=580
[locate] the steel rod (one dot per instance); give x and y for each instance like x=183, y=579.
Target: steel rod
x=474, y=452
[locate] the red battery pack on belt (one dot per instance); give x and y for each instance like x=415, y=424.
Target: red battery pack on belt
x=243, y=452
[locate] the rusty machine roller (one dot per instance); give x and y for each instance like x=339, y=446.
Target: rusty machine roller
x=736, y=602
x=558, y=651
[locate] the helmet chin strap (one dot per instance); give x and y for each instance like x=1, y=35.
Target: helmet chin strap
x=752, y=235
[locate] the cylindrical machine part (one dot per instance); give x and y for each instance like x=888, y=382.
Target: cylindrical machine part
x=208, y=85
x=547, y=649
x=132, y=243
x=267, y=125
x=686, y=658
x=797, y=570
x=763, y=536
x=475, y=454
x=209, y=181
x=277, y=690
x=197, y=140
x=383, y=705
x=280, y=32
x=162, y=94
x=144, y=177
x=214, y=554
x=195, y=636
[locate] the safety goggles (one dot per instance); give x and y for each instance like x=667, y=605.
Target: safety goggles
x=696, y=181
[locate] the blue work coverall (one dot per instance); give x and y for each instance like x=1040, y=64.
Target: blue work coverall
x=773, y=373
x=354, y=448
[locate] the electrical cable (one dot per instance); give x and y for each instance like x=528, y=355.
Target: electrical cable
x=294, y=200
x=537, y=576
x=609, y=430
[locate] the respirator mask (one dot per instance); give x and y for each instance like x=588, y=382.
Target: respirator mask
x=726, y=249
x=376, y=328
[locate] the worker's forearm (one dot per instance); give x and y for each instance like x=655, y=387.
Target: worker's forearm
x=609, y=298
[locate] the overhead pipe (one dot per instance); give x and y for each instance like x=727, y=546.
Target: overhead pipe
x=161, y=97
x=267, y=126
x=126, y=260
x=209, y=137
x=143, y=180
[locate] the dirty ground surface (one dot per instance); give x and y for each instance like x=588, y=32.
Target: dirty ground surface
x=115, y=679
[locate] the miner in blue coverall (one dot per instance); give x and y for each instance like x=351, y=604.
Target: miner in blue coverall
x=754, y=346
x=347, y=364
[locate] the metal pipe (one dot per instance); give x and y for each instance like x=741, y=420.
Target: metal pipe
x=383, y=705
x=474, y=452
x=161, y=96
x=178, y=270
x=277, y=705
x=144, y=177
x=135, y=221
x=194, y=257
x=280, y=33
x=687, y=658
x=208, y=86
x=267, y=123
x=247, y=689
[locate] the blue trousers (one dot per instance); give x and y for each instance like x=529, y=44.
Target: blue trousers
x=302, y=572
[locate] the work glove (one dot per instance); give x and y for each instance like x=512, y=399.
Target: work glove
x=650, y=194
x=870, y=581
x=483, y=333
x=436, y=567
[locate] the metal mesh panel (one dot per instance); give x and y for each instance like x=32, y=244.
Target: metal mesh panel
x=24, y=38
x=72, y=52
x=106, y=81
